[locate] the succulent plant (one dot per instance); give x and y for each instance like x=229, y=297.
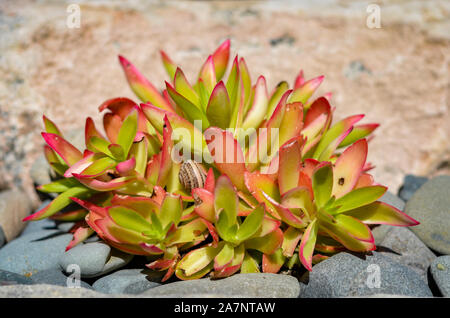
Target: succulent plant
x=219, y=176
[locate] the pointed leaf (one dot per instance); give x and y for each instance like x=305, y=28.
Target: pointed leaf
x=66, y=150
x=322, y=183
x=141, y=86
x=218, y=110
x=382, y=213
x=306, y=249
x=359, y=197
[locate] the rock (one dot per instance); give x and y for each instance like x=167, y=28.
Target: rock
x=393, y=200
x=14, y=206
x=34, y=252
x=54, y=277
x=240, y=286
x=65, y=226
x=2, y=238
x=39, y=226
x=404, y=247
x=48, y=291
x=128, y=281
x=430, y=205
x=10, y=278
x=346, y=275
x=94, y=259
x=440, y=270
x=410, y=185
x=40, y=172
x=355, y=69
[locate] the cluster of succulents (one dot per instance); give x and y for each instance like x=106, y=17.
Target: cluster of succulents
x=232, y=200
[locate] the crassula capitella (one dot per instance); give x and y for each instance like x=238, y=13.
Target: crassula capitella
x=219, y=176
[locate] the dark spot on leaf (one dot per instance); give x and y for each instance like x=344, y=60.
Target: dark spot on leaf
x=341, y=181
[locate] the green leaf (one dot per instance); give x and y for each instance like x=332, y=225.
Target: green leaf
x=60, y=202
x=99, y=166
x=197, y=261
x=127, y=132
x=218, y=110
x=101, y=145
x=281, y=88
x=307, y=244
x=224, y=257
x=192, y=112
x=249, y=265
x=139, y=152
x=226, y=198
x=117, y=152
x=251, y=224
x=359, y=197
x=58, y=186
x=322, y=183
x=129, y=219
x=171, y=210
x=183, y=87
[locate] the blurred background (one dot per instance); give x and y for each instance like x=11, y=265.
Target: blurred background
x=397, y=74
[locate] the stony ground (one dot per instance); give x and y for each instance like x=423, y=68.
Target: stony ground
x=397, y=75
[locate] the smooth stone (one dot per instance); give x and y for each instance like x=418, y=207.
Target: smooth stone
x=410, y=185
x=94, y=259
x=54, y=277
x=346, y=275
x=14, y=206
x=440, y=270
x=65, y=226
x=2, y=237
x=430, y=205
x=49, y=291
x=34, y=252
x=255, y=285
x=393, y=200
x=40, y=172
x=128, y=281
x=403, y=246
x=10, y=278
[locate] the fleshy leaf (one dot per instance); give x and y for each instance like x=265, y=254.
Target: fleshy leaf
x=290, y=157
x=171, y=210
x=66, y=150
x=50, y=127
x=220, y=58
x=304, y=92
x=322, y=183
x=251, y=224
x=197, y=263
x=348, y=168
x=218, y=110
x=358, y=132
x=338, y=130
x=258, y=110
x=382, y=213
x=266, y=244
x=290, y=241
x=359, y=197
x=226, y=198
x=127, y=132
x=141, y=86
x=306, y=248
x=192, y=112
x=169, y=65
x=272, y=263
x=227, y=155
x=59, y=203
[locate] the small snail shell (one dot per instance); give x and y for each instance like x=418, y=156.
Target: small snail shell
x=192, y=175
